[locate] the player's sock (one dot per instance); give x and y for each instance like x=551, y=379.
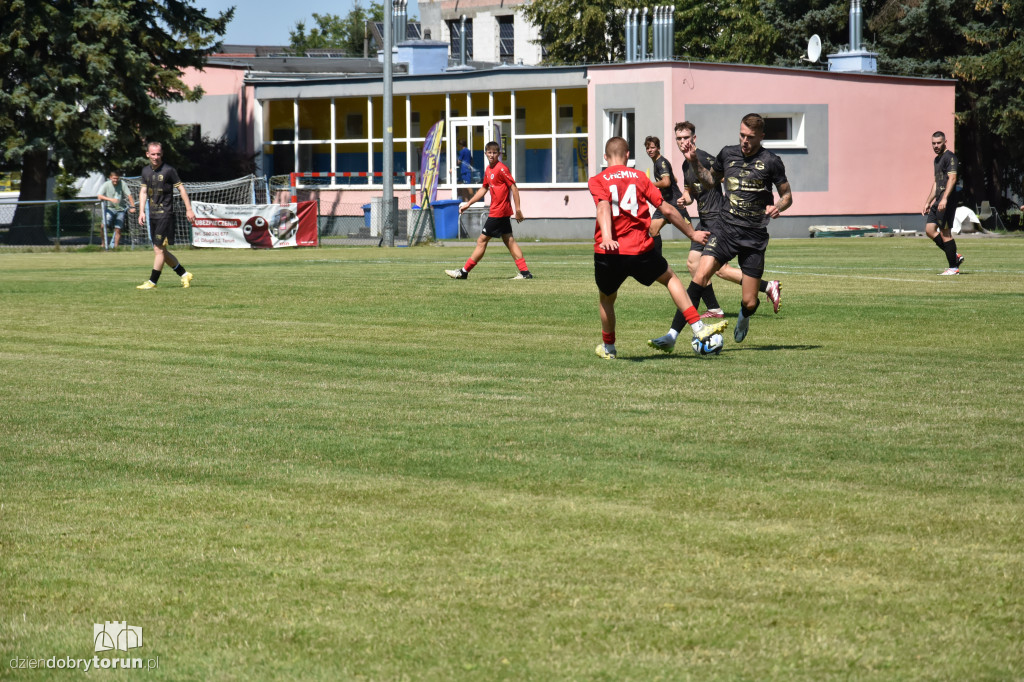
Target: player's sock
x=470, y=264
x=678, y=322
x=609, y=339
x=747, y=312
x=950, y=249
x=674, y=333
x=154, y=276
x=521, y=264
x=179, y=269
x=763, y=286
x=695, y=292
x=710, y=300
x=938, y=242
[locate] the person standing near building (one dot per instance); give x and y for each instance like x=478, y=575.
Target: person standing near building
x=940, y=206
x=498, y=179
x=158, y=184
x=116, y=202
x=749, y=172
x=465, y=161
x=623, y=246
x=665, y=180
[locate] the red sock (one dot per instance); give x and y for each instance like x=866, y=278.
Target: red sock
x=470, y=264
x=608, y=338
x=521, y=264
x=691, y=315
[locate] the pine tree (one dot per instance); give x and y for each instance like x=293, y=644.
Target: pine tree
x=83, y=82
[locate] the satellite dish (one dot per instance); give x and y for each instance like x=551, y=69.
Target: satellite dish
x=813, y=49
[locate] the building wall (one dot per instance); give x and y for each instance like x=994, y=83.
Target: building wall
x=226, y=109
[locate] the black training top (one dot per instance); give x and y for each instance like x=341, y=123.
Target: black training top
x=748, y=185
x=709, y=198
x=160, y=185
x=946, y=164
x=662, y=168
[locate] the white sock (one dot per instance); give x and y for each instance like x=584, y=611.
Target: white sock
x=672, y=334
x=696, y=327
x=609, y=348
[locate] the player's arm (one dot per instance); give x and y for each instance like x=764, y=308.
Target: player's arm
x=142, y=204
x=950, y=184
x=930, y=199
x=784, y=202
x=514, y=191
x=707, y=175
x=473, y=199
x=103, y=197
x=604, y=221
x=663, y=180
x=188, y=204
x=682, y=223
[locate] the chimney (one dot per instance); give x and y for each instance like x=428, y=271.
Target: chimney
x=643, y=35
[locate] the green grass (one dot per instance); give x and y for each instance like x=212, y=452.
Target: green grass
x=339, y=464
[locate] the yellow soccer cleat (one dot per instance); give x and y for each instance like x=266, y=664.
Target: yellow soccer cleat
x=711, y=329
x=186, y=280
x=602, y=353
x=146, y=285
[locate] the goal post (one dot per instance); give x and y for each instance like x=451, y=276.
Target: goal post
x=350, y=207
x=245, y=190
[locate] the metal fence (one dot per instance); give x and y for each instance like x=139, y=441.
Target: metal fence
x=62, y=223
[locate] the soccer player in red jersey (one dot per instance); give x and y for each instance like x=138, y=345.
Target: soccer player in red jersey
x=498, y=179
x=623, y=246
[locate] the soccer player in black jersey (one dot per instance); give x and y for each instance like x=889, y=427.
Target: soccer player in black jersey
x=940, y=206
x=709, y=201
x=158, y=184
x=665, y=180
x=749, y=172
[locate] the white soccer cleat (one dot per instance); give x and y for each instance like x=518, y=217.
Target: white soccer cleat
x=666, y=344
x=950, y=271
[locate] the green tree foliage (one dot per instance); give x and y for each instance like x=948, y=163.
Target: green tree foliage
x=732, y=31
x=980, y=43
x=346, y=34
x=83, y=82
x=579, y=31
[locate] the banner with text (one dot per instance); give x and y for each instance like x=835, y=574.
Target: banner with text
x=429, y=164
x=255, y=226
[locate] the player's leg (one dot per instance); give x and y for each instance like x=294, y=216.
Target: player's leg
x=606, y=349
x=609, y=274
x=752, y=266
x=953, y=259
x=772, y=289
x=474, y=258
x=711, y=305
x=174, y=264
x=158, y=266
x=517, y=255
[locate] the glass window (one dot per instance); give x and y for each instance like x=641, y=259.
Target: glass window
x=453, y=31
x=506, y=39
x=572, y=110
x=280, y=119
x=571, y=160
x=783, y=131
x=533, y=112
x=315, y=116
x=622, y=123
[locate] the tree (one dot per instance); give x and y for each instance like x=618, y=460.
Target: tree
x=82, y=84
x=346, y=34
x=577, y=31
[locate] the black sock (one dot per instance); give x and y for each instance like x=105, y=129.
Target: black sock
x=747, y=312
x=938, y=242
x=179, y=269
x=154, y=276
x=763, y=286
x=951, y=252
x=710, y=300
x=678, y=322
x=695, y=292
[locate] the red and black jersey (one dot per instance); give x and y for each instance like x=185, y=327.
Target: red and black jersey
x=498, y=179
x=628, y=191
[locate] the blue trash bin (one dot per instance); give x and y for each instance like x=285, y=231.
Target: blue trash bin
x=366, y=216
x=446, y=218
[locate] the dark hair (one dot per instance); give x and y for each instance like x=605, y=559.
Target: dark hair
x=755, y=122
x=463, y=142
x=939, y=133
x=492, y=145
x=651, y=138
x=686, y=125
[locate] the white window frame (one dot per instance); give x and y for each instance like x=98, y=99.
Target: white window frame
x=610, y=117
x=796, y=139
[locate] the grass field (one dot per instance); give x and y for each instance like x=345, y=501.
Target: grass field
x=339, y=464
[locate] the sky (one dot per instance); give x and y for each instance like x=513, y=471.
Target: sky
x=267, y=22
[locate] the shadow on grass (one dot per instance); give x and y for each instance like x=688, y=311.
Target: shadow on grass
x=727, y=349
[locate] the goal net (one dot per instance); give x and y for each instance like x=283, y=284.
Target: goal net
x=247, y=190
x=350, y=208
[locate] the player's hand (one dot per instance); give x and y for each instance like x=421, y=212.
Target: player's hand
x=519, y=216
x=463, y=206
x=142, y=218
x=190, y=216
x=610, y=245
x=772, y=211
x=701, y=236
x=942, y=205
x=689, y=151
x=654, y=231
x=686, y=199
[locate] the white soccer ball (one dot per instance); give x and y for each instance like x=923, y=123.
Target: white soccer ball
x=710, y=346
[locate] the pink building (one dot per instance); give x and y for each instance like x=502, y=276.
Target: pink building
x=856, y=145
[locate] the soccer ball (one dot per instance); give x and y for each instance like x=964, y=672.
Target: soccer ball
x=710, y=346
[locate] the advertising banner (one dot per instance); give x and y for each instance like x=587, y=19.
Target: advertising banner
x=254, y=226
x=430, y=163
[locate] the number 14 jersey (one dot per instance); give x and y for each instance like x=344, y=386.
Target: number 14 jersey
x=628, y=192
